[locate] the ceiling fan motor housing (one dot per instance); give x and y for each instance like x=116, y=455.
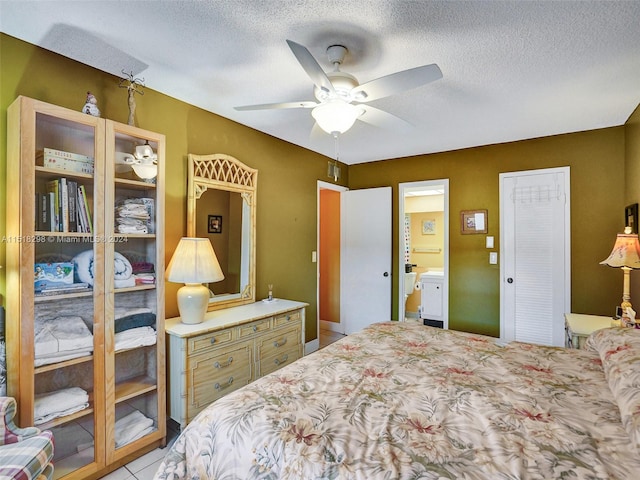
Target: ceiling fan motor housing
x=342, y=82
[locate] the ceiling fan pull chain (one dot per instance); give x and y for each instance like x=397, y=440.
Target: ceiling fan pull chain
x=335, y=166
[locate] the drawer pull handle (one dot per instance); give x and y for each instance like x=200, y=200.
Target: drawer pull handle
x=277, y=361
x=223, y=365
x=219, y=387
x=281, y=343
x=288, y=317
x=255, y=328
x=213, y=340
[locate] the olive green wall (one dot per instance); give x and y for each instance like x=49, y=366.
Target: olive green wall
x=632, y=185
x=286, y=230
x=596, y=159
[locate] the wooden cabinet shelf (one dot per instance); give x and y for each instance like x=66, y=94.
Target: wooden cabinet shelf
x=66, y=419
x=134, y=388
x=136, y=184
x=54, y=172
x=60, y=365
x=89, y=317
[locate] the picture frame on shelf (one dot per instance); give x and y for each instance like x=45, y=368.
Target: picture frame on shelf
x=631, y=217
x=473, y=221
x=214, y=224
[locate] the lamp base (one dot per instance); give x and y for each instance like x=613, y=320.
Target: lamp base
x=192, y=302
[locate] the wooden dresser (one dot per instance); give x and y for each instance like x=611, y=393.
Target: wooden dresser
x=231, y=348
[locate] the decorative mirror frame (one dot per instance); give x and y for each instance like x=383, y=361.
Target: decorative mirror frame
x=224, y=172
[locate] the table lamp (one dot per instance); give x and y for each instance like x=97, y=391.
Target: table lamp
x=625, y=255
x=193, y=263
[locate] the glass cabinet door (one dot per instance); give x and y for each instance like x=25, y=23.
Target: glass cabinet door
x=134, y=284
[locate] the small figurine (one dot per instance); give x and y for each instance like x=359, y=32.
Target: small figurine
x=133, y=85
x=91, y=106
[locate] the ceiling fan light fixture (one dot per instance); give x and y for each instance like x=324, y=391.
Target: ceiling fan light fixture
x=335, y=116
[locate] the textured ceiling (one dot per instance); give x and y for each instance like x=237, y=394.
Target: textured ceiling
x=512, y=70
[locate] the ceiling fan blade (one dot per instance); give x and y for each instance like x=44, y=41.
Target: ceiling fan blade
x=311, y=66
x=381, y=119
x=396, y=83
x=268, y=106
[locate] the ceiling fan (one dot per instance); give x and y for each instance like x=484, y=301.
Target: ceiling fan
x=341, y=100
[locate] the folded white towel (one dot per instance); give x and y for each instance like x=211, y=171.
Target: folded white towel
x=132, y=229
x=61, y=334
x=135, y=337
x=124, y=282
x=131, y=427
x=59, y=403
x=61, y=357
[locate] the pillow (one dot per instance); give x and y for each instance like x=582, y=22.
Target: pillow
x=619, y=350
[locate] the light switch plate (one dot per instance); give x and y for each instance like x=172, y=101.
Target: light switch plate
x=314, y=256
x=489, y=242
x=493, y=258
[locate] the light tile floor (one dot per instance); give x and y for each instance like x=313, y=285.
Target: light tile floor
x=145, y=467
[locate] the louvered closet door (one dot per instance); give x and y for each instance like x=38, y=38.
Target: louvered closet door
x=535, y=243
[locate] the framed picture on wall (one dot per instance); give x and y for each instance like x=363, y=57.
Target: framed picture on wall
x=631, y=217
x=215, y=224
x=429, y=227
x=473, y=221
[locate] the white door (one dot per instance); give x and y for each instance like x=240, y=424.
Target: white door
x=535, y=244
x=366, y=258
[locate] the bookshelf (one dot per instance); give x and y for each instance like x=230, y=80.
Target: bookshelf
x=65, y=337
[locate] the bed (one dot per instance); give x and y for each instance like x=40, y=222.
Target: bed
x=403, y=401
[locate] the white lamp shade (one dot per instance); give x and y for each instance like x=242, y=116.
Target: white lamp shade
x=625, y=253
x=335, y=116
x=194, y=261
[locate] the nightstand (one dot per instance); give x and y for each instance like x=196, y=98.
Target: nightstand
x=579, y=326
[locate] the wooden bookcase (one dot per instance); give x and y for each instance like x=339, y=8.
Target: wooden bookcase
x=120, y=379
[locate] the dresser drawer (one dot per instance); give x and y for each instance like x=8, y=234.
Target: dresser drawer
x=279, y=341
x=213, y=339
x=214, y=374
x=252, y=328
x=279, y=360
x=287, y=318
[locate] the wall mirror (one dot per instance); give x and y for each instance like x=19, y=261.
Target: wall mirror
x=221, y=206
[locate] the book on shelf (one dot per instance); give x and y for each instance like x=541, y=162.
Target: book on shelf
x=72, y=195
x=53, y=188
x=61, y=290
x=61, y=160
x=42, y=200
x=64, y=204
x=85, y=208
x=64, y=208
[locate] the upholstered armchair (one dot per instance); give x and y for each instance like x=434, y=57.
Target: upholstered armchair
x=25, y=453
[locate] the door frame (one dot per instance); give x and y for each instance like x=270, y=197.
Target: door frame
x=321, y=185
x=403, y=188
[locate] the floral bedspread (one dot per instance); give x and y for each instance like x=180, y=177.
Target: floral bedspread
x=405, y=401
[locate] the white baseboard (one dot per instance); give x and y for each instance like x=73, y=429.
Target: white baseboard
x=331, y=326
x=311, y=346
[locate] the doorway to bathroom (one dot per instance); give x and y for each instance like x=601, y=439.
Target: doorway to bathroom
x=423, y=283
